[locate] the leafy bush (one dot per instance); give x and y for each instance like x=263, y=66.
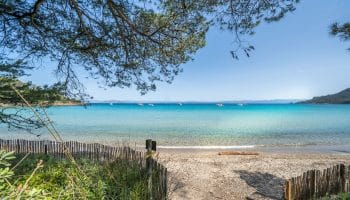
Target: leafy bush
x=343, y=196
x=60, y=179
x=16, y=190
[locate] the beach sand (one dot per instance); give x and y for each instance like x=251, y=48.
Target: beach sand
x=203, y=174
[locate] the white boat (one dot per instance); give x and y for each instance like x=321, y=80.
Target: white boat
x=140, y=104
x=180, y=104
x=240, y=104
x=220, y=104
x=151, y=104
x=111, y=104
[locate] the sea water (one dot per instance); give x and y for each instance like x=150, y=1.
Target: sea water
x=198, y=125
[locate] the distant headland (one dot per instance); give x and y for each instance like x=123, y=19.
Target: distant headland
x=67, y=102
x=342, y=97
x=35, y=95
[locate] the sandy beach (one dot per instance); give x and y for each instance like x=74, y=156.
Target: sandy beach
x=203, y=174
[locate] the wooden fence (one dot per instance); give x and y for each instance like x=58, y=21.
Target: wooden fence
x=314, y=184
x=96, y=152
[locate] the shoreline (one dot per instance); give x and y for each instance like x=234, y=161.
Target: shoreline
x=288, y=148
x=305, y=151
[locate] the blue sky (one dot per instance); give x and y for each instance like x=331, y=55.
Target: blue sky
x=295, y=58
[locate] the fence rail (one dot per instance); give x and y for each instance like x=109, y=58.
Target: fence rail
x=93, y=151
x=314, y=184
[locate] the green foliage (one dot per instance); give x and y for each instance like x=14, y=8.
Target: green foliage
x=341, y=31
x=5, y=157
x=342, y=196
x=14, y=68
x=125, y=43
x=14, y=190
x=345, y=196
x=33, y=94
x=60, y=179
x=5, y=171
x=120, y=179
x=14, y=112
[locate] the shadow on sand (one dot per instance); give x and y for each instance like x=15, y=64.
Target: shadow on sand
x=267, y=186
x=176, y=186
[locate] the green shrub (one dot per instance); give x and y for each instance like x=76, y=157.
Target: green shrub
x=60, y=179
x=12, y=190
x=343, y=196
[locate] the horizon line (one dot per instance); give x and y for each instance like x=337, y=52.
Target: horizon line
x=197, y=101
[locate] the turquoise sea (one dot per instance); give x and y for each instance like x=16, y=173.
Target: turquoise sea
x=201, y=124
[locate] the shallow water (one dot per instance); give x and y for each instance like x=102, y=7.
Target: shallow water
x=201, y=124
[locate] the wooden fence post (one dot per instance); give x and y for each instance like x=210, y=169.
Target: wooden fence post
x=17, y=146
x=45, y=146
x=154, y=146
x=149, y=164
x=342, y=178
x=286, y=189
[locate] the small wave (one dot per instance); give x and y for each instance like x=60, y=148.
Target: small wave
x=207, y=147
